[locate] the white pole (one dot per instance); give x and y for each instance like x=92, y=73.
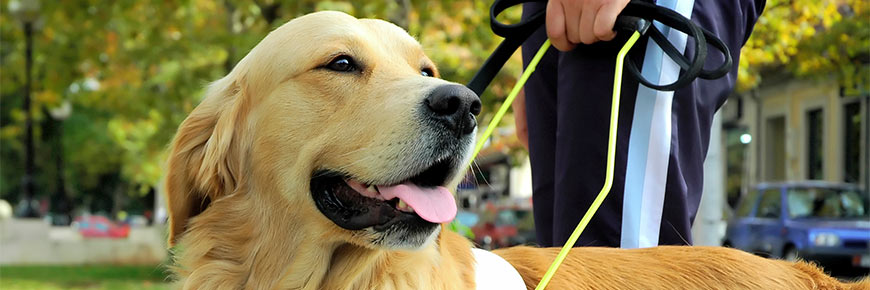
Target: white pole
x=709, y=226
x=160, y=212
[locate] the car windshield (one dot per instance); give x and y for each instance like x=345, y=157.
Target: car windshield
x=818, y=202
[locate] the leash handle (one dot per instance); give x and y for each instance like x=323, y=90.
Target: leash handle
x=514, y=36
x=691, y=69
x=636, y=16
x=631, y=23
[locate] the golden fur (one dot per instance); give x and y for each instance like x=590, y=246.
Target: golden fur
x=240, y=164
x=668, y=267
x=242, y=217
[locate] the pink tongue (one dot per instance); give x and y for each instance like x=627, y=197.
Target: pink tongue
x=435, y=205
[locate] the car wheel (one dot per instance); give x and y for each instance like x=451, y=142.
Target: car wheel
x=790, y=254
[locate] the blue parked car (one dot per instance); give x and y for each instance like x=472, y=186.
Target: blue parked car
x=818, y=221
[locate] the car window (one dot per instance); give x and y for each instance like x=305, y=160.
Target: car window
x=770, y=205
x=820, y=202
x=800, y=202
x=747, y=203
x=854, y=204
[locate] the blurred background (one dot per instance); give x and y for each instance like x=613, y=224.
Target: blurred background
x=91, y=93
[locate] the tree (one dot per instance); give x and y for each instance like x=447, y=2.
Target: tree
x=809, y=38
x=133, y=70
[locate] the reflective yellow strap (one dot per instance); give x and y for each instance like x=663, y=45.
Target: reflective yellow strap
x=510, y=99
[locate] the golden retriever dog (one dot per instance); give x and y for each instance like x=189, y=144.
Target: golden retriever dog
x=324, y=159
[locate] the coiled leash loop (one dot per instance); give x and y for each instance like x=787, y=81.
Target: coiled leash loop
x=628, y=20
x=635, y=18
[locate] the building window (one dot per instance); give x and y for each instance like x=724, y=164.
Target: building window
x=852, y=142
x=775, y=143
x=814, y=145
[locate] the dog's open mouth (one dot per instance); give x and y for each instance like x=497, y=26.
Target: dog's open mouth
x=354, y=205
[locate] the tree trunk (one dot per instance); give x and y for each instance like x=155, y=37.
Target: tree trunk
x=26, y=205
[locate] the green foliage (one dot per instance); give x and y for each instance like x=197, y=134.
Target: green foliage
x=133, y=70
x=461, y=229
x=809, y=38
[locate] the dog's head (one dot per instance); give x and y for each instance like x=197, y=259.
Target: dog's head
x=344, y=120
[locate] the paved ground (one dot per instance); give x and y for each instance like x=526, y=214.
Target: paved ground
x=34, y=242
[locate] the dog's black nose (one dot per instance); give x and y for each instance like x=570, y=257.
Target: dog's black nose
x=455, y=106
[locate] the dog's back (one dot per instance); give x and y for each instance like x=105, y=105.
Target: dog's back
x=669, y=267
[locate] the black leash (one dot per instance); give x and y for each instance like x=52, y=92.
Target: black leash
x=637, y=16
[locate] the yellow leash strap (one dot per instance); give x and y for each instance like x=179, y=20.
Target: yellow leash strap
x=611, y=144
x=510, y=99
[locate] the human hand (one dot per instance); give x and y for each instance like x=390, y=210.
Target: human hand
x=570, y=22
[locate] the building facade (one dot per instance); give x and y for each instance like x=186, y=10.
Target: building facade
x=793, y=129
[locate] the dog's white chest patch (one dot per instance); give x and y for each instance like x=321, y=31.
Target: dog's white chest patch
x=494, y=272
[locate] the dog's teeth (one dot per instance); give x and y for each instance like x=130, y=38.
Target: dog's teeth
x=371, y=188
x=404, y=206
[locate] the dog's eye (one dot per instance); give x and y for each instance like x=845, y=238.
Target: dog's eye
x=427, y=72
x=342, y=63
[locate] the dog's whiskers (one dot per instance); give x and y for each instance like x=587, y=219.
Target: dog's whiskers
x=359, y=149
x=678, y=233
x=483, y=176
x=345, y=167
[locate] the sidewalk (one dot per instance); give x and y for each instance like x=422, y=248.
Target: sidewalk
x=32, y=241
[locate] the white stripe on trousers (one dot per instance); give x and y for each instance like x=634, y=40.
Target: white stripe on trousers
x=650, y=143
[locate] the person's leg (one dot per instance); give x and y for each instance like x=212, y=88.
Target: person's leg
x=540, y=96
x=651, y=142
x=583, y=109
x=693, y=109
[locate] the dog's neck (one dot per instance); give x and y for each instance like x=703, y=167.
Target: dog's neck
x=257, y=255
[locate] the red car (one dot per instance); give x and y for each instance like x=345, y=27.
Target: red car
x=101, y=227
x=504, y=227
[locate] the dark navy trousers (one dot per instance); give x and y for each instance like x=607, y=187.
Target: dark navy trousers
x=662, y=138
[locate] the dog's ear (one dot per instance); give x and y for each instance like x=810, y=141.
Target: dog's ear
x=204, y=159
